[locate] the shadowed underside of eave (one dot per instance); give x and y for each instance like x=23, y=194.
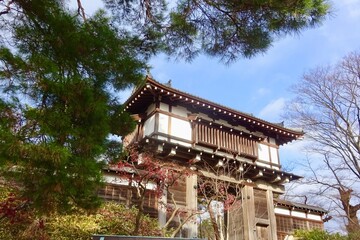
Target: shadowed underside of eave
x=198, y=159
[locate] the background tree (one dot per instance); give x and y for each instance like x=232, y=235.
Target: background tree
x=227, y=29
x=58, y=81
x=143, y=171
x=327, y=108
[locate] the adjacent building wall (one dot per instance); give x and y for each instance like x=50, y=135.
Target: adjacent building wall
x=290, y=219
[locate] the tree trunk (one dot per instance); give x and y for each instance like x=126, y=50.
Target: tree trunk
x=353, y=226
x=213, y=222
x=139, y=214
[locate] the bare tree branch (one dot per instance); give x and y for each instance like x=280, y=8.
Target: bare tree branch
x=81, y=10
x=7, y=7
x=327, y=107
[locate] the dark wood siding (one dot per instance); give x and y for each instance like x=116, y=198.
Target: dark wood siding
x=261, y=208
x=179, y=191
x=218, y=138
x=126, y=195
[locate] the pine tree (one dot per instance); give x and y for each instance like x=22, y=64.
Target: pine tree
x=225, y=29
x=58, y=107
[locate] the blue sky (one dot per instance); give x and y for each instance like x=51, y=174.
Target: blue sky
x=260, y=85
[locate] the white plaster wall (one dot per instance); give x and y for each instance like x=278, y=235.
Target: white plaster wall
x=274, y=155
x=150, y=109
x=287, y=212
x=164, y=107
x=314, y=217
x=163, y=123
x=149, y=126
x=181, y=128
x=298, y=214
x=125, y=182
x=282, y=211
x=115, y=180
x=180, y=111
x=272, y=141
x=263, y=152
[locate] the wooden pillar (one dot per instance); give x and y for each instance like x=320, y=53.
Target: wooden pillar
x=249, y=213
x=271, y=213
x=191, y=204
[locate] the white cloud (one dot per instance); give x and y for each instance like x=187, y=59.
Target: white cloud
x=263, y=91
x=293, y=155
x=272, y=111
x=352, y=7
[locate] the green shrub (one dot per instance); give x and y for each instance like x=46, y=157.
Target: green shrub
x=317, y=234
x=119, y=220
x=109, y=219
x=72, y=226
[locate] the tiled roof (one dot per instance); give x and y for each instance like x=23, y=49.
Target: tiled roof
x=300, y=206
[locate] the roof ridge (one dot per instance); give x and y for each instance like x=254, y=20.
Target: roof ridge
x=299, y=205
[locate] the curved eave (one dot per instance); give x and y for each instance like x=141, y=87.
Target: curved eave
x=152, y=90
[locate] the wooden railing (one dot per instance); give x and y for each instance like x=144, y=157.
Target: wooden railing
x=225, y=140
